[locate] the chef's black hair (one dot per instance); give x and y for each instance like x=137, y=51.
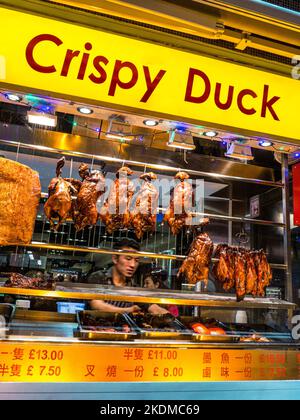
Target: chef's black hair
x=127, y=243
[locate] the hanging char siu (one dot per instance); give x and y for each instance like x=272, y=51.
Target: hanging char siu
x=195, y=267
x=247, y=271
x=59, y=204
x=115, y=212
x=143, y=216
x=178, y=214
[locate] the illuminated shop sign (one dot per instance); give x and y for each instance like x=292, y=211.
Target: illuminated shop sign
x=77, y=62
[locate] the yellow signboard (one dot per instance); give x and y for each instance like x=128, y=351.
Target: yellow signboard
x=31, y=362
x=98, y=67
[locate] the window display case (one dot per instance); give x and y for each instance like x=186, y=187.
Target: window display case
x=215, y=337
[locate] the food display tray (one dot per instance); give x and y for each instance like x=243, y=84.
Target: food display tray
x=179, y=332
x=164, y=335
x=228, y=338
x=86, y=332
x=215, y=338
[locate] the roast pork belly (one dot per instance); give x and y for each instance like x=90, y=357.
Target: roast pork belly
x=20, y=192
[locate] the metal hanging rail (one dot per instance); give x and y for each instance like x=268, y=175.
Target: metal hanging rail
x=143, y=164
x=219, y=217
x=141, y=254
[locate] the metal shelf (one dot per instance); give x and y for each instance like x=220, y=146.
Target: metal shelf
x=141, y=295
x=110, y=251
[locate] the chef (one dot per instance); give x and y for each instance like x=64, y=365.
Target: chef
x=121, y=275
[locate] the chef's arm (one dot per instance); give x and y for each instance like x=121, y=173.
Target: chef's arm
x=100, y=305
x=157, y=310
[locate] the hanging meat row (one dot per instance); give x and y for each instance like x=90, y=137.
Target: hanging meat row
x=77, y=199
x=248, y=272
x=72, y=198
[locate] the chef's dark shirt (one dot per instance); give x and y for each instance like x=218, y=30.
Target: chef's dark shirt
x=105, y=279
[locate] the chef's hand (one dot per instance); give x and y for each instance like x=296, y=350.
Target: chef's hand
x=131, y=309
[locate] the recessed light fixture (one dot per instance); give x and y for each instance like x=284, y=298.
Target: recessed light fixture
x=265, y=143
x=84, y=110
x=180, y=140
x=150, y=123
x=239, y=150
x=13, y=97
x=41, y=119
x=210, y=134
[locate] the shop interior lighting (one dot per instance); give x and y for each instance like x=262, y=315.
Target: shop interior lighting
x=150, y=123
x=239, y=150
x=210, y=134
x=13, y=97
x=41, y=118
x=265, y=143
x=181, y=140
x=85, y=110
x=119, y=129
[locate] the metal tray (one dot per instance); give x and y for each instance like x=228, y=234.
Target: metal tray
x=215, y=338
x=179, y=333
x=228, y=338
x=164, y=335
x=85, y=332
x=102, y=335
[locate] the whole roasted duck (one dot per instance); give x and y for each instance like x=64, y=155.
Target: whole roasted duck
x=115, y=211
x=91, y=189
x=195, y=267
x=59, y=204
x=143, y=216
x=178, y=214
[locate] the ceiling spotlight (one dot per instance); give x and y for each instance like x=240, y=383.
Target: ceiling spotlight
x=84, y=110
x=210, y=134
x=13, y=97
x=239, y=150
x=150, y=123
x=180, y=140
x=265, y=143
